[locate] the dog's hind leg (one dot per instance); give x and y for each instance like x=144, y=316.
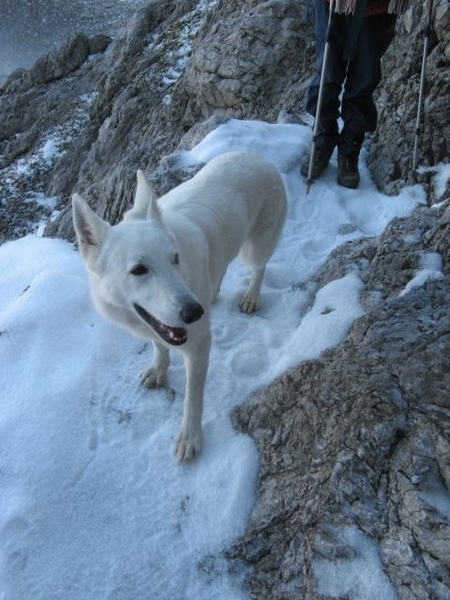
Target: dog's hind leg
x=259, y=246
x=255, y=253
x=156, y=374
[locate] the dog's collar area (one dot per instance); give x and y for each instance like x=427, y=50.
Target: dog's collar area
x=176, y=336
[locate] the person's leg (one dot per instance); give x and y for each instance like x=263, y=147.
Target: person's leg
x=328, y=134
x=359, y=112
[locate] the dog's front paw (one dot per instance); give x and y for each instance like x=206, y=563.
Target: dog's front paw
x=152, y=378
x=189, y=444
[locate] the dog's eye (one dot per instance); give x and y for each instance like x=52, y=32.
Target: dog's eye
x=139, y=270
x=176, y=259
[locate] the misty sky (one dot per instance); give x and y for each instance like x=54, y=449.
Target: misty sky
x=29, y=28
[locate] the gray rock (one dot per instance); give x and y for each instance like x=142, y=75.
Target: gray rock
x=391, y=152
x=361, y=437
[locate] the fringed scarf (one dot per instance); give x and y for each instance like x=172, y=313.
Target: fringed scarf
x=347, y=7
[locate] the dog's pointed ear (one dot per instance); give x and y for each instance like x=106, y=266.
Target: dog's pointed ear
x=145, y=200
x=90, y=229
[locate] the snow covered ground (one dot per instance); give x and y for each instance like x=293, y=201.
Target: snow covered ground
x=93, y=503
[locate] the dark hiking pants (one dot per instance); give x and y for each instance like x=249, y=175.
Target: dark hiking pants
x=356, y=79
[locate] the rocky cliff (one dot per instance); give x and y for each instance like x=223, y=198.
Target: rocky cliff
x=357, y=442
x=135, y=99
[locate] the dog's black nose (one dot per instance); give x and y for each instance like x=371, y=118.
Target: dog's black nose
x=191, y=312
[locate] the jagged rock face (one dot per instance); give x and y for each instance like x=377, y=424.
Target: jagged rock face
x=116, y=106
x=252, y=62
x=391, y=154
x=359, y=439
x=129, y=102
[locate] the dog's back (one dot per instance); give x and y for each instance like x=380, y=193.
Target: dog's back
x=238, y=202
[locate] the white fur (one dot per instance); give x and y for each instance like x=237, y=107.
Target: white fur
x=168, y=258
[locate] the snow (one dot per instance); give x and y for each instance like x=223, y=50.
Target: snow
x=441, y=179
x=360, y=577
x=179, y=49
x=431, y=268
x=335, y=308
x=94, y=505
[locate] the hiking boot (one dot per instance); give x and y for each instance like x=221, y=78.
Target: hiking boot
x=348, y=173
x=349, y=146
x=325, y=142
x=320, y=162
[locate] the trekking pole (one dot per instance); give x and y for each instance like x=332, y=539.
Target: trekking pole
x=421, y=89
x=309, y=180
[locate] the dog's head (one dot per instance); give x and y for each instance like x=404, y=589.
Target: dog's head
x=135, y=269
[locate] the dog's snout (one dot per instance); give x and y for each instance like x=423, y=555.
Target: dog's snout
x=191, y=312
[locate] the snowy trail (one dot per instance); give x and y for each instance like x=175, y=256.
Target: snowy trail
x=94, y=506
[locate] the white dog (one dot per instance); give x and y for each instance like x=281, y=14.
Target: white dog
x=157, y=272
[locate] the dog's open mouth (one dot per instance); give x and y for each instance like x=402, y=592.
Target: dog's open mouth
x=172, y=335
